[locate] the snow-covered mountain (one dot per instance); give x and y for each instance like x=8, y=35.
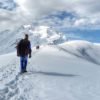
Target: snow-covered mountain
x=67, y=71
x=39, y=35
x=45, y=35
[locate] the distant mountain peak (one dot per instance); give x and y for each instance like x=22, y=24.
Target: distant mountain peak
x=45, y=33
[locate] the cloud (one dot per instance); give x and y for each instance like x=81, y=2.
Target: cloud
x=38, y=7
x=10, y=19
x=27, y=11
x=34, y=9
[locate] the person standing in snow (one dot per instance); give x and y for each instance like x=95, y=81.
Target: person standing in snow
x=23, y=51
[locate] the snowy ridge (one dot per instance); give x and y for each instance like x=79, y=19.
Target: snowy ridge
x=55, y=72
x=83, y=49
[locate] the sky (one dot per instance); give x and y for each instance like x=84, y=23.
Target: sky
x=78, y=19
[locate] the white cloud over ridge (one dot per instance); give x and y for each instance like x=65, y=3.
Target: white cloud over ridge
x=29, y=10
x=82, y=7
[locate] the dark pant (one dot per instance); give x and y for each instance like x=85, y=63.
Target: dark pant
x=23, y=63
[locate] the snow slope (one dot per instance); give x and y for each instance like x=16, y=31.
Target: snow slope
x=68, y=71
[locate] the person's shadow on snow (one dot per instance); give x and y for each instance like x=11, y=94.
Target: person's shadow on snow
x=53, y=74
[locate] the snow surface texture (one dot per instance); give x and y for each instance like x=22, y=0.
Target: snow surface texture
x=68, y=71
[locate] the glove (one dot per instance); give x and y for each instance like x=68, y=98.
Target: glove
x=29, y=56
